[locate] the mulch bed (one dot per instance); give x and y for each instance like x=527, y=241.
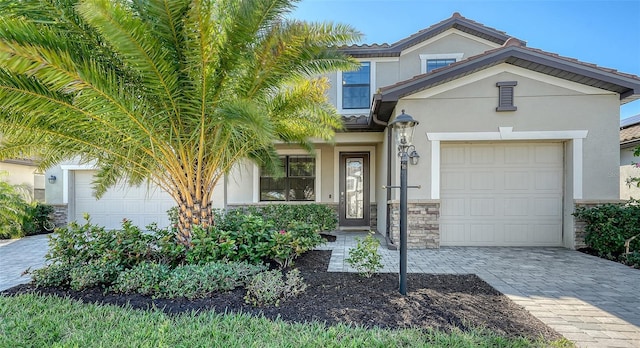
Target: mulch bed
x=442, y=302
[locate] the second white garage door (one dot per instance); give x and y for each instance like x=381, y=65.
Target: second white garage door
x=133, y=203
x=501, y=194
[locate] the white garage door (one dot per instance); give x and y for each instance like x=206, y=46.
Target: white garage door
x=133, y=203
x=501, y=194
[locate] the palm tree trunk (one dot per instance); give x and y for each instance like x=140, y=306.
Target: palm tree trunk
x=193, y=214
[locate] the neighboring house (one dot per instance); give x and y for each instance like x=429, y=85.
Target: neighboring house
x=629, y=140
x=510, y=139
x=24, y=172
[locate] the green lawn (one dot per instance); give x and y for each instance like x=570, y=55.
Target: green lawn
x=44, y=321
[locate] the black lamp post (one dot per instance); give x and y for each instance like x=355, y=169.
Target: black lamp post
x=403, y=126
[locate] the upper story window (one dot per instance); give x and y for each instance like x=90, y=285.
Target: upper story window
x=356, y=87
x=297, y=184
x=431, y=62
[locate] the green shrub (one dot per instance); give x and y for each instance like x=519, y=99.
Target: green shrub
x=13, y=211
x=632, y=259
x=145, y=279
x=95, y=273
x=609, y=226
x=365, y=257
x=272, y=287
x=322, y=216
x=56, y=274
x=36, y=216
x=297, y=239
x=196, y=281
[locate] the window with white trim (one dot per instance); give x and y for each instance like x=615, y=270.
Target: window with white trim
x=297, y=183
x=431, y=62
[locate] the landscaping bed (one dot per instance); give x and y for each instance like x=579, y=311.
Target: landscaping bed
x=442, y=302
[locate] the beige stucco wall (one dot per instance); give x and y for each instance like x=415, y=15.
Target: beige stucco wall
x=449, y=42
x=544, y=104
x=19, y=174
x=628, y=170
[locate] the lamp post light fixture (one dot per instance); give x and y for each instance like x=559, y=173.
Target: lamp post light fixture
x=403, y=126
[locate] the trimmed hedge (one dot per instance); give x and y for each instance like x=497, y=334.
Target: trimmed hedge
x=609, y=226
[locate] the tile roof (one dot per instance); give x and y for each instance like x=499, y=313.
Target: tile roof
x=456, y=21
x=630, y=130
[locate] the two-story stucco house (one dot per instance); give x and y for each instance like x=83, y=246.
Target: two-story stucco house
x=510, y=140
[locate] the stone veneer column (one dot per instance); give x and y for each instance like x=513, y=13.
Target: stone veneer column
x=60, y=214
x=423, y=228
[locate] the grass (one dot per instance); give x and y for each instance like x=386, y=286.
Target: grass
x=44, y=321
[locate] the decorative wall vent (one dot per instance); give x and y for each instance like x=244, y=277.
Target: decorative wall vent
x=505, y=96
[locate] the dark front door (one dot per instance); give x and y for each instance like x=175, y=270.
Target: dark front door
x=354, y=189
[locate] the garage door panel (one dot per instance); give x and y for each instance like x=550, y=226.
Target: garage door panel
x=547, y=207
x=482, y=233
x=453, y=181
x=141, y=204
x=516, y=234
x=547, y=154
x=483, y=181
x=452, y=156
x=512, y=195
x=547, y=234
x=482, y=155
x=516, y=180
x=516, y=155
x=482, y=206
x=548, y=180
x=516, y=207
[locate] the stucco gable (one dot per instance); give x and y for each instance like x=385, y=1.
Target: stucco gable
x=461, y=24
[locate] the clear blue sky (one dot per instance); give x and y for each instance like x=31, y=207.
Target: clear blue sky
x=606, y=33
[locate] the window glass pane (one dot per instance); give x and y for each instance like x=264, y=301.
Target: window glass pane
x=355, y=97
x=356, y=87
x=265, y=173
x=301, y=189
x=438, y=63
x=302, y=166
x=272, y=189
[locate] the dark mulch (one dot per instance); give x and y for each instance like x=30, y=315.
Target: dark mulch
x=440, y=302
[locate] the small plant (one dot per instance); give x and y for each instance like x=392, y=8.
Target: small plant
x=272, y=287
x=145, y=279
x=365, y=257
x=198, y=281
x=56, y=274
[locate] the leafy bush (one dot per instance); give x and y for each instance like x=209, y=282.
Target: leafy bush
x=609, y=226
x=323, y=217
x=272, y=287
x=632, y=259
x=365, y=257
x=13, y=212
x=92, y=255
x=57, y=274
x=145, y=279
x=293, y=242
x=196, y=281
x=36, y=216
x=100, y=272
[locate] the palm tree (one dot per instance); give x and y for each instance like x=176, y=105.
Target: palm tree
x=173, y=92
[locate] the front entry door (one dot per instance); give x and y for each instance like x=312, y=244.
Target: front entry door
x=354, y=189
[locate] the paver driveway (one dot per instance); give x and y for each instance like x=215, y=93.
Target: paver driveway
x=593, y=302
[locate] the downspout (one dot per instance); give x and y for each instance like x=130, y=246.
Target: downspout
x=374, y=117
